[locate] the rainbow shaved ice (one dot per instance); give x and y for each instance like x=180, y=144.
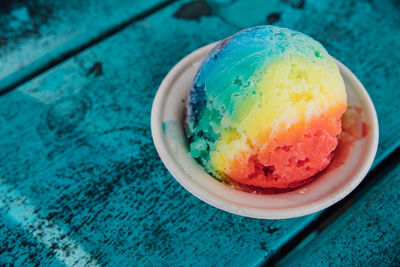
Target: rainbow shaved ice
x=265, y=108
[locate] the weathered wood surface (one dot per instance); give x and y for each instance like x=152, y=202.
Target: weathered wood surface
x=81, y=181
x=77, y=145
x=367, y=234
x=34, y=34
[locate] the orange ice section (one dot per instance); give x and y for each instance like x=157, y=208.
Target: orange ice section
x=292, y=156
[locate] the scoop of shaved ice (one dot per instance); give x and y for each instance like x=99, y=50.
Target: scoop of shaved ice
x=265, y=108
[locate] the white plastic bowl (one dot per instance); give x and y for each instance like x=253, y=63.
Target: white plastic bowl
x=172, y=146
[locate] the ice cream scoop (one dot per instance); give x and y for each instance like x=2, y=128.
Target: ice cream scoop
x=265, y=108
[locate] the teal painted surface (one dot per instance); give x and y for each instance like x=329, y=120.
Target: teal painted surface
x=79, y=148
x=35, y=33
x=80, y=180
x=367, y=234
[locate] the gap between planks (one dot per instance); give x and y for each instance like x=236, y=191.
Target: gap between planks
x=64, y=52
x=379, y=170
x=320, y=223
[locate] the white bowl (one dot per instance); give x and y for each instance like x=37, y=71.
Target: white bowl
x=331, y=186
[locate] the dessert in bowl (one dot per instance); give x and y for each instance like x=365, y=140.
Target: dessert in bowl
x=233, y=125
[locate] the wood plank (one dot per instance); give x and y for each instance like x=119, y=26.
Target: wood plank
x=36, y=34
x=77, y=144
x=366, y=234
x=17, y=234
x=77, y=147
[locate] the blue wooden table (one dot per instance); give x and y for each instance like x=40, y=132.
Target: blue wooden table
x=80, y=180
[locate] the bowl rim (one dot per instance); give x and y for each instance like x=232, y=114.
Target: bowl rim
x=233, y=207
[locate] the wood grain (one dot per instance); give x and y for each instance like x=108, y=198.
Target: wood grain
x=35, y=35
x=367, y=233
x=78, y=160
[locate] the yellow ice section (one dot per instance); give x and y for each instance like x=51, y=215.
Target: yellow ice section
x=291, y=90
